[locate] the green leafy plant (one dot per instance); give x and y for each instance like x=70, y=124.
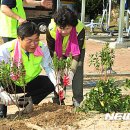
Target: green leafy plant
x=61, y=67
x=106, y=96
x=9, y=74
x=103, y=60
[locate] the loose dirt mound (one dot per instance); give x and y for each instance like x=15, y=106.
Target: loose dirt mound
x=45, y=116
x=50, y=116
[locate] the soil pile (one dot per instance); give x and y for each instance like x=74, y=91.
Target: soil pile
x=45, y=116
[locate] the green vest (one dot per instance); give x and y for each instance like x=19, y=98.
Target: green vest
x=8, y=25
x=52, y=30
x=32, y=65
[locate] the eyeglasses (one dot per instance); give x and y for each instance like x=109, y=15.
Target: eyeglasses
x=30, y=41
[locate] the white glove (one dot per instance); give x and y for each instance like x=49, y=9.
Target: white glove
x=5, y=98
x=58, y=88
x=60, y=91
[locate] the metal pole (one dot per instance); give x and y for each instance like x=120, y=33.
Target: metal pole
x=83, y=11
x=121, y=21
x=127, y=20
x=109, y=14
x=58, y=4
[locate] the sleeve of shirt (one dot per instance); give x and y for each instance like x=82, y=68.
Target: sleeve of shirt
x=9, y=3
x=4, y=53
x=50, y=42
x=81, y=38
x=47, y=64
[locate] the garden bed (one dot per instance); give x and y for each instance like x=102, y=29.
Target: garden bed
x=48, y=116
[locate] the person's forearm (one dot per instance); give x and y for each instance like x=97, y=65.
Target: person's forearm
x=32, y=2
x=50, y=43
x=74, y=65
x=4, y=54
x=43, y=3
x=81, y=38
x=7, y=11
x=51, y=74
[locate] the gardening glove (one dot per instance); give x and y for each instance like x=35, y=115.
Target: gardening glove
x=67, y=80
x=6, y=98
x=60, y=92
x=61, y=95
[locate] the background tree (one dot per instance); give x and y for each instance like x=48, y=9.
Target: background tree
x=93, y=7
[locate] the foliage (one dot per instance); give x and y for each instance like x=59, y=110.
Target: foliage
x=9, y=74
x=17, y=73
x=103, y=60
x=93, y=7
x=62, y=68
x=127, y=83
x=106, y=95
x=62, y=65
x=4, y=74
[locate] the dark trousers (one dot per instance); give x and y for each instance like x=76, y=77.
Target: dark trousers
x=77, y=83
x=38, y=89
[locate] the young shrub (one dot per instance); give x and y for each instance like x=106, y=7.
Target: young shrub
x=103, y=60
x=62, y=68
x=9, y=73
x=106, y=95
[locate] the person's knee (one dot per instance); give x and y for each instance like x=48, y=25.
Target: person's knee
x=52, y=88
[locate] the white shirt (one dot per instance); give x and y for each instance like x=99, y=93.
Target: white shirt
x=46, y=60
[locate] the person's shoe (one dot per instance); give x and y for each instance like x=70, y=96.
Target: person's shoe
x=29, y=108
x=75, y=103
x=56, y=100
x=3, y=111
x=23, y=102
x=27, y=104
x=110, y=71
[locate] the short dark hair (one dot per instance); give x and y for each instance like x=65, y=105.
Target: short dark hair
x=64, y=16
x=27, y=29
